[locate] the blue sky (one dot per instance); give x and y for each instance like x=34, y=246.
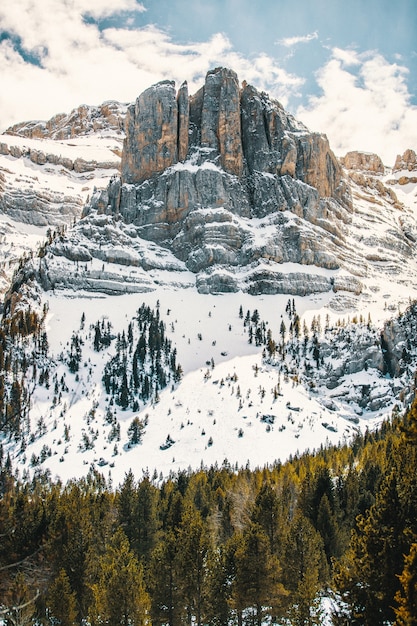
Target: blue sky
x=348, y=69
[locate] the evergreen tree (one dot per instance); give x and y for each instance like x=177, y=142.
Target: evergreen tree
x=406, y=613
x=147, y=522
x=61, y=601
x=267, y=513
x=20, y=602
x=367, y=576
x=220, y=571
x=126, y=505
x=119, y=595
x=135, y=431
x=257, y=588
x=305, y=570
x=165, y=583
x=193, y=539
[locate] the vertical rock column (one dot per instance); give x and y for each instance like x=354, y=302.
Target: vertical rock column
x=220, y=119
x=317, y=165
x=183, y=121
x=151, y=143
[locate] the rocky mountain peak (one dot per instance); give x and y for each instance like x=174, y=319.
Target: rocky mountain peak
x=241, y=130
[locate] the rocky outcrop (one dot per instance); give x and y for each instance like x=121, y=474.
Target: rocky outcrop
x=196, y=170
x=375, y=189
x=363, y=161
x=183, y=121
x=39, y=157
x=408, y=161
x=83, y=120
x=39, y=206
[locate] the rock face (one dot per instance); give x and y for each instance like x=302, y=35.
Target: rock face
x=151, y=143
x=220, y=119
x=242, y=131
x=363, y=161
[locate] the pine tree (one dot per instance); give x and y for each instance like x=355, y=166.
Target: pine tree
x=135, y=431
x=119, y=595
x=257, y=587
x=61, y=601
x=165, y=583
x=97, y=337
x=147, y=522
x=193, y=539
x=267, y=513
x=20, y=603
x=220, y=571
x=406, y=613
x=367, y=576
x=304, y=569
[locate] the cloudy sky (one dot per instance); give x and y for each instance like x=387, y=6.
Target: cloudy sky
x=348, y=69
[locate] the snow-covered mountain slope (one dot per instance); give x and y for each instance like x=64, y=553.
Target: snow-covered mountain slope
x=229, y=404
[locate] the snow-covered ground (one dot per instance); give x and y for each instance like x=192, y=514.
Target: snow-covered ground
x=225, y=408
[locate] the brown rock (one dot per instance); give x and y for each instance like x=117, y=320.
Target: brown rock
x=317, y=165
x=289, y=151
x=81, y=166
x=364, y=161
x=408, y=161
x=67, y=163
x=37, y=156
x=16, y=152
x=151, y=128
x=183, y=121
x=404, y=180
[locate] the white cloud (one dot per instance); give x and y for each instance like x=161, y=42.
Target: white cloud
x=79, y=63
x=288, y=42
x=365, y=105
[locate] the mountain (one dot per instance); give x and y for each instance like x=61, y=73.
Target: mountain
x=220, y=286
x=48, y=170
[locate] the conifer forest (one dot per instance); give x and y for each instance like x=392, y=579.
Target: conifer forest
x=222, y=545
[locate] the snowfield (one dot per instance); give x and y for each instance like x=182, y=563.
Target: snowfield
x=230, y=405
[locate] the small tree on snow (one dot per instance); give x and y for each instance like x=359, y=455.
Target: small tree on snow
x=135, y=431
